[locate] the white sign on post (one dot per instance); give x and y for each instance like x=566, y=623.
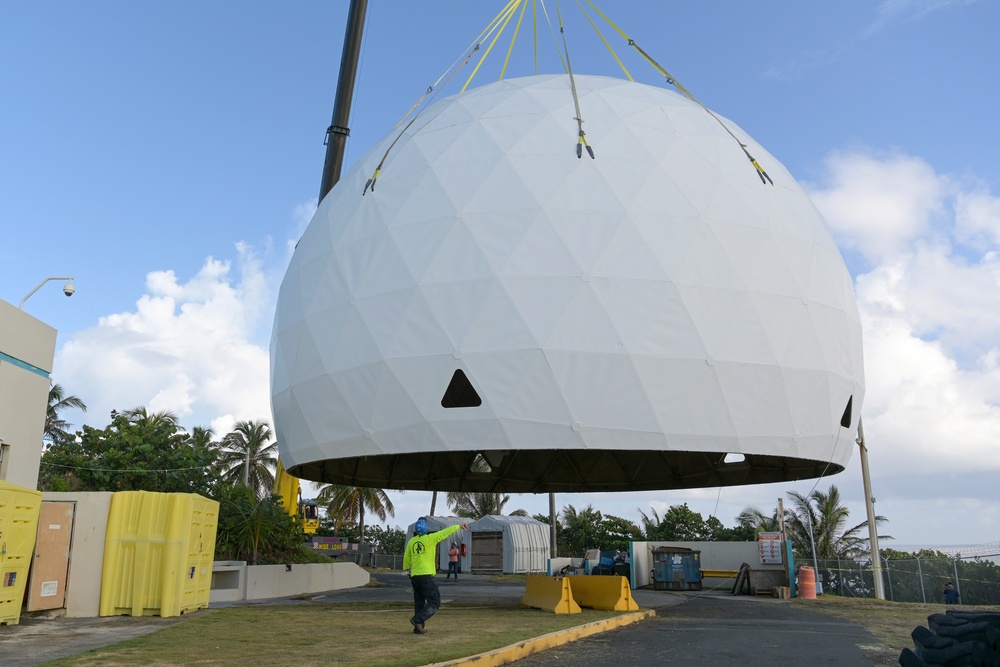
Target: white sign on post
x=770, y=548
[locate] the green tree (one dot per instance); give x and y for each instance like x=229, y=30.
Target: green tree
x=679, y=524
x=580, y=530
x=821, y=519
x=614, y=532
x=475, y=505
x=385, y=540
x=248, y=457
x=255, y=529
x=347, y=505
x=753, y=518
x=56, y=428
x=136, y=451
x=478, y=505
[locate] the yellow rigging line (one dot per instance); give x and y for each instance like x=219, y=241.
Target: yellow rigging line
x=599, y=34
x=513, y=8
x=685, y=92
x=473, y=46
x=534, y=12
x=508, y=10
x=513, y=39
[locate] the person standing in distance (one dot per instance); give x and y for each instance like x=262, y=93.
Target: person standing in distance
x=452, y=561
x=420, y=563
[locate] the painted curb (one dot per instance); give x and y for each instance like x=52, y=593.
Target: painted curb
x=508, y=654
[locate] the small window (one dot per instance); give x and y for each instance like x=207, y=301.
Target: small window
x=460, y=393
x=845, y=421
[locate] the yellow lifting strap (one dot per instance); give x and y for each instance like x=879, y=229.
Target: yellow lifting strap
x=474, y=46
x=513, y=38
x=601, y=35
x=684, y=91
x=507, y=13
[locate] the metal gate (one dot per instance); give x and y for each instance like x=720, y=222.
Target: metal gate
x=487, y=552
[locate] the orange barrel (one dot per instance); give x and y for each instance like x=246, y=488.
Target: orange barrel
x=807, y=583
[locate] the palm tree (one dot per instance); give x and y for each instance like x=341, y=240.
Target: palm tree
x=580, y=528
x=473, y=505
x=478, y=505
x=348, y=504
x=247, y=456
x=753, y=517
x=142, y=417
x=57, y=428
x=202, y=437
x=820, y=519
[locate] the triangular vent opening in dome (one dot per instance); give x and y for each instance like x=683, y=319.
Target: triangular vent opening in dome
x=845, y=421
x=460, y=393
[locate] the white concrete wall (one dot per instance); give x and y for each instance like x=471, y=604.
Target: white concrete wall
x=714, y=556
x=27, y=348
x=277, y=581
x=86, y=560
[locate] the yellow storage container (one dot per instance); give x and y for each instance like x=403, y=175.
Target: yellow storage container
x=19, y=508
x=158, y=554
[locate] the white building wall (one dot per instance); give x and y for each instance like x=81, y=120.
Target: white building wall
x=714, y=556
x=27, y=348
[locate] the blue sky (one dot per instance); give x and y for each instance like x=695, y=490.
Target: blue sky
x=168, y=154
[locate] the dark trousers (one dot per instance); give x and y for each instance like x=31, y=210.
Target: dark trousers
x=426, y=597
x=452, y=567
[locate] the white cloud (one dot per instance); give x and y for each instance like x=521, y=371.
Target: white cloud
x=930, y=307
x=879, y=204
x=892, y=12
x=188, y=347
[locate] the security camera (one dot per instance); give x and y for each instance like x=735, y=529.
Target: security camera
x=68, y=289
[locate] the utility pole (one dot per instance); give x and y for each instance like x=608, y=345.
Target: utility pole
x=870, y=507
x=553, y=546
x=337, y=133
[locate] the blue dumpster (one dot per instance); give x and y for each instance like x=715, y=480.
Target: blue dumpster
x=676, y=569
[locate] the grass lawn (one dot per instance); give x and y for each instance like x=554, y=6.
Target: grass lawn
x=366, y=633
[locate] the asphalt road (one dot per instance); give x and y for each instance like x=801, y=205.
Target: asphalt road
x=689, y=629
x=717, y=630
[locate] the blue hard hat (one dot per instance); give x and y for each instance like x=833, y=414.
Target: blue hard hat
x=420, y=527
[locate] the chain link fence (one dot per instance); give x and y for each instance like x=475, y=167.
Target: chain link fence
x=915, y=580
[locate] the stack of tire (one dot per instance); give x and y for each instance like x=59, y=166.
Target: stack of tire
x=956, y=638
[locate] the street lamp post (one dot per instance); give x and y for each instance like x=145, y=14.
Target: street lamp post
x=68, y=288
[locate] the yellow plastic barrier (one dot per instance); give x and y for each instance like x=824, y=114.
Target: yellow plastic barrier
x=610, y=593
x=550, y=594
x=158, y=554
x=19, y=508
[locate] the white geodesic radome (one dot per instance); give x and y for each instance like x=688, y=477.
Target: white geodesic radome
x=621, y=323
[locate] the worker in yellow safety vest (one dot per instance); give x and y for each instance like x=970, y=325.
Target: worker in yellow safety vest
x=420, y=563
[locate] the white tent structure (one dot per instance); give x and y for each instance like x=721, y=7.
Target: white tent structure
x=624, y=323
x=507, y=544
